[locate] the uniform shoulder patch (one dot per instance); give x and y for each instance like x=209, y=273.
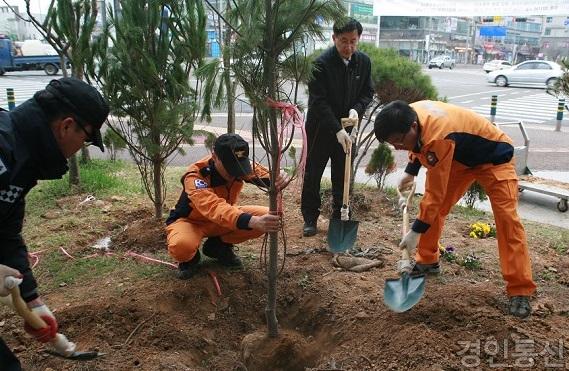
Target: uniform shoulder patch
x=200, y=183
x=432, y=158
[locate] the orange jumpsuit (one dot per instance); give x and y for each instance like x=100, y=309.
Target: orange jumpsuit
x=206, y=208
x=458, y=147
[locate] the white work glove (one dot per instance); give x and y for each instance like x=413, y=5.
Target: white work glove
x=6, y=271
x=48, y=333
x=344, y=139
x=354, y=115
x=410, y=241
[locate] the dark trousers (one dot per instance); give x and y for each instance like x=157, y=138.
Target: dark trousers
x=8, y=361
x=322, y=146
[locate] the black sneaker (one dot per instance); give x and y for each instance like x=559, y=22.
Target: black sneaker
x=215, y=248
x=432, y=269
x=520, y=307
x=309, y=229
x=187, y=270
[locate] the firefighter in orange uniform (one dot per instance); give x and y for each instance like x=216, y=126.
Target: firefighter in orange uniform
x=207, y=207
x=458, y=147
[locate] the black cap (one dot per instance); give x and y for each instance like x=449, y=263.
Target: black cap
x=84, y=101
x=233, y=151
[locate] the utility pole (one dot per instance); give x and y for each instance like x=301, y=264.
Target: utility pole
x=378, y=30
x=117, y=8
x=472, y=53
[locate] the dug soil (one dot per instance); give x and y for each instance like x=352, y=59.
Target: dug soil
x=329, y=319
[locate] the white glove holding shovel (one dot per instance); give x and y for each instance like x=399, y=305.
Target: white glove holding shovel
x=344, y=140
x=353, y=114
x=35, y=318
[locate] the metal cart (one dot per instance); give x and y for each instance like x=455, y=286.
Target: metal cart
x=521, y=155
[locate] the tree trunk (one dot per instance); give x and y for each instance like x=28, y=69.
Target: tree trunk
x=270, y=83
x=85, y=155
x=157, y=178
x=74, y=179
x=229, y=85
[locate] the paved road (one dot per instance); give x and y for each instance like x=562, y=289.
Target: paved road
x=464, y=86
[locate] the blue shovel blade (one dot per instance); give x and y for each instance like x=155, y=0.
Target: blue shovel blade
x=401, y=294
x=342, y=235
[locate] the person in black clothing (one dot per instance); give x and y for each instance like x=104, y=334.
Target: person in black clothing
x=36, y=138
x=341, y=87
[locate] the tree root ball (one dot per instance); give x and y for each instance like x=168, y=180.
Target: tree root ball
x=288, y=351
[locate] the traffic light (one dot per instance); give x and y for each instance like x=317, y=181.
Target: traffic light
x=488, y=19
x=520, y=19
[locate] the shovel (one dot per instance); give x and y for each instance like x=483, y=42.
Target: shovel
x=342, y=233
x=61, y=346
x=401, y=294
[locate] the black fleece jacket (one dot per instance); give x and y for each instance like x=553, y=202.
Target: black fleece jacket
x=337, y=88
x=28, y=153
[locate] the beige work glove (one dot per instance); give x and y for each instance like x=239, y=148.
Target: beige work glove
x=410, y=241
x=354, y=115
x=344, y=139
x=6, y=271
x=404, y=186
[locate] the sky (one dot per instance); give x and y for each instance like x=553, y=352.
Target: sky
x=37, y=6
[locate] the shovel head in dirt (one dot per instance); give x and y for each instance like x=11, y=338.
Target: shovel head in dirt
x=401, y=294
x=342, y=235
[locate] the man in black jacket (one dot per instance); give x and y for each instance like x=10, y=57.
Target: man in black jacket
x=341, y=87
x=36, y=139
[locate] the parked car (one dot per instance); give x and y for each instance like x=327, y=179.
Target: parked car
x=441, y=62
x=496, y=64
x=534, y=72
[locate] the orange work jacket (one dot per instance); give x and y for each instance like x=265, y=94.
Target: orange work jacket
x=450, y=133
x=208, y=197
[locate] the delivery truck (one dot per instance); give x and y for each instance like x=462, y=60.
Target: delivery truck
x=10, y=61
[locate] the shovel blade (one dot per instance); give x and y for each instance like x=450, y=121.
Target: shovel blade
x=401, y=294
x=342, y=235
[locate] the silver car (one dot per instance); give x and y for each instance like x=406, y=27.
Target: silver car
x=535, y=72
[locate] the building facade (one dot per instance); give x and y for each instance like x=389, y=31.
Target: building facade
x=14, y=27
x=554, y=41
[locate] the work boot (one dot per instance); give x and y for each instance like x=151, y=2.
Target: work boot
x=187, y=270
x=309, y=229
x=419, y=268
x=519, y=306
x=215, y=248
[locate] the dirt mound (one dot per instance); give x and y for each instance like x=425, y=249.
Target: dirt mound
x=328, y=318
x=141, y=233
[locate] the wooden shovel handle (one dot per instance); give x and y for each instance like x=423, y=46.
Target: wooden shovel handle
x=347, y=177
x=346, y=123
x=405, y=252
x=30, y=317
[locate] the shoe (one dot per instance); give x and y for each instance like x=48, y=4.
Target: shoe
x=309, y=229
x=215, y=248
x=187, y=270
x=419, y=268
x=519, y=306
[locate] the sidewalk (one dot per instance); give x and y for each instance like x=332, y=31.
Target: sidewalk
x=532, y=206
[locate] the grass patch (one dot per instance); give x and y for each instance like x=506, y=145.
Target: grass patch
x=102, y=177
x=468, y=212
x=56, y=269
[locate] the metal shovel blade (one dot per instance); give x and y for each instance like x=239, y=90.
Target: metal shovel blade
x=342, y=234
x=401, y=294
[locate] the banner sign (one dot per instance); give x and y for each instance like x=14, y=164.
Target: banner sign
x=469, y=8
x=492, y=31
